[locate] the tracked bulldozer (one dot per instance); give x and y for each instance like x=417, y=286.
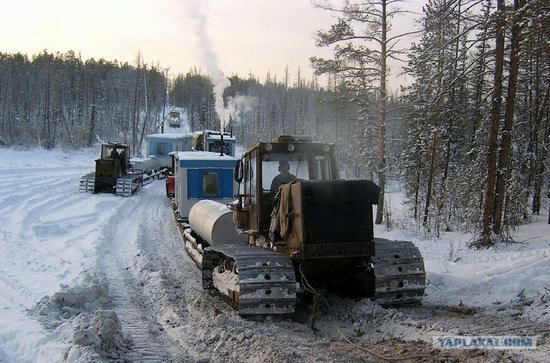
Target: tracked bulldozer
x=315, y=231
x=113, y=172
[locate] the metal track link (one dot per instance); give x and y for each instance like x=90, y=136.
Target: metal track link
x=87, y=183
x=126, y=185
x=155, y=175
x=398, y=272
x=257, y=280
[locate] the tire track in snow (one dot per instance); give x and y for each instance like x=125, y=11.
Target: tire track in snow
x=36, y=230
x=170, y=281
x=13, y=290
x=117, y=251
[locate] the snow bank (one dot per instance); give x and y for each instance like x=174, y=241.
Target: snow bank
x=78, y=318
x=48, y=236
x=504, y=276
x=90, y=295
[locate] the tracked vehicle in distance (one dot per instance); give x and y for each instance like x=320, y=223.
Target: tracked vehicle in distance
x=116, y=173
x=314, y=231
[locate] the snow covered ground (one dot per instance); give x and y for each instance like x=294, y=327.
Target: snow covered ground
x=509, y=273
x=104, y=278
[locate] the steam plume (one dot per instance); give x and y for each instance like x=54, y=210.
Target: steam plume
x=236, y=106
x=209, y=57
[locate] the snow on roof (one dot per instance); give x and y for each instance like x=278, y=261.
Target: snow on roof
x=201, y=155
x=167, y=136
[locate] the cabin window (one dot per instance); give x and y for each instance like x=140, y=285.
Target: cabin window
x=160, y=149
x=210, y=184
x=215, y=146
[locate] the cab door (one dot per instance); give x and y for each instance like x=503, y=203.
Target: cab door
x=250, y=201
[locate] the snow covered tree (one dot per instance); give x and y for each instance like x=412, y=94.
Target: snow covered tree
x=506, y=139
x=518, y=150
x=362, y=43
x=438, y=101
x=478, y=115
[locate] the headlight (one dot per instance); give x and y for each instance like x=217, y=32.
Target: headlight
x=268, y=147
x=290, y=147
x=326, y=148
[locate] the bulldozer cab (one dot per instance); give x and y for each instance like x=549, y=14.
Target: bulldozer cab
x=116, y=151
x=260, y=166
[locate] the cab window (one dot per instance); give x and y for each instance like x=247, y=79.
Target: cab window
x=270, y=167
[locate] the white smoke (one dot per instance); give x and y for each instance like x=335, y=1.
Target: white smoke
x=209, y=57
x=239, y=105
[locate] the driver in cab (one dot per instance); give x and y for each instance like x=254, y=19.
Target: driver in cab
x=284, y=177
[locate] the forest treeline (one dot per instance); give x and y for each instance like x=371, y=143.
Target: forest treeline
x=263, y=110
x=58, y=99
x=469, y=137
x=477, y=113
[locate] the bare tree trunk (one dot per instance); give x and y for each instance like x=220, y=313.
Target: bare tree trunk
x=443, y=191
x=136, y=111
x=488, y=203
x=64, y=115
x=164, y=101
x=4, y=108
x=541, y=157
x=506, y=141
x=90, y=139
x=47, y=116
x=382, y=117
x=146, y=109
x=433, y=155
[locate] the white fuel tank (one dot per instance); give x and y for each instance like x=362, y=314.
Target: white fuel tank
x=213, y=221
x=146, y=165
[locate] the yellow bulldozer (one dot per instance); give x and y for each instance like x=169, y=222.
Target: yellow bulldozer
x=304, y=228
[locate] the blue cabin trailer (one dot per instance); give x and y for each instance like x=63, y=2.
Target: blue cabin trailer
x=161, y=145
x=203, y=175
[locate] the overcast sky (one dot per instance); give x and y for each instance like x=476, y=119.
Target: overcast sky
x=248, y=35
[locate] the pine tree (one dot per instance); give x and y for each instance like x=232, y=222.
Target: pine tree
x=364, y=69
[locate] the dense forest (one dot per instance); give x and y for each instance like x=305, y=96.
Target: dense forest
x=468, y=138
x=264, y=110
x=60, y=100
x=478, y=114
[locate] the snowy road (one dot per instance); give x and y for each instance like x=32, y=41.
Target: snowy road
x=126, y=235
x=52, y=235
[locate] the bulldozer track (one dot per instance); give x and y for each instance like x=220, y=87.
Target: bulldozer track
x=264, y=281
x=127, y=184
x=146, y=347
x=399, y=273
x=87, y=183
